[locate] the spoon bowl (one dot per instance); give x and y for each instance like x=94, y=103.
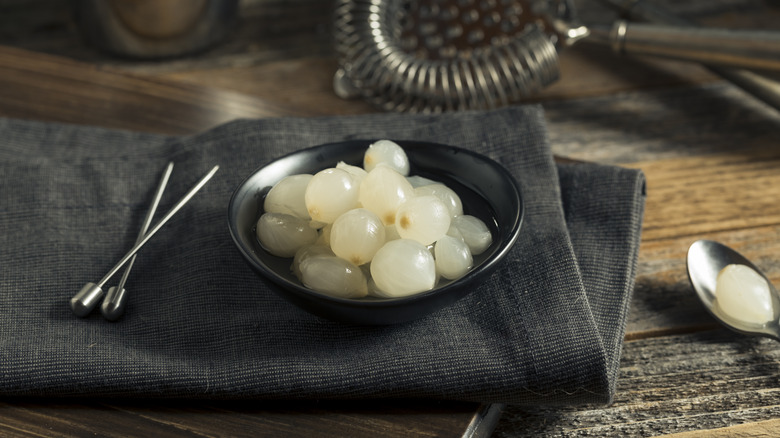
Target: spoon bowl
x=705, y=260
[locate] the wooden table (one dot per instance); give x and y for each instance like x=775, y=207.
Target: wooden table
x=711, y=154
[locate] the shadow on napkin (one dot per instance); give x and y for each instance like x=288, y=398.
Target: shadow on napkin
x=546, y=328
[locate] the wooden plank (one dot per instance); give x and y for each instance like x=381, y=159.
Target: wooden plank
x=77, y=93
x=236, y=419
x=705, y=380
x=585, y=71
x=712, y=193
x=305, y=83
x=644, y=126
x=761, y=429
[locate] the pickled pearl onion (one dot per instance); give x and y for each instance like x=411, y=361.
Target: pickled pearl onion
x=403, y=267
x=743, y=294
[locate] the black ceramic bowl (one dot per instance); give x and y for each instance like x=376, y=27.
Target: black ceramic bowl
x=486, y=189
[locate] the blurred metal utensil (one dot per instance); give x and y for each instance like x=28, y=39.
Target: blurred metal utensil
x=113, y=306
x=757, y=49
x=151, y=29
x=761, y=85
x=725, y=47
x=89, y=295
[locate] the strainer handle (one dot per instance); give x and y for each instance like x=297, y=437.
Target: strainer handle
x=751, y=49
x=760, y=84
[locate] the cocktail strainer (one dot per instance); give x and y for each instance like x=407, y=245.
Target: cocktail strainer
x=442, y=55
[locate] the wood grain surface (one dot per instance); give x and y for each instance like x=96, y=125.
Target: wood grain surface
x=247, y=419
x=709, y=151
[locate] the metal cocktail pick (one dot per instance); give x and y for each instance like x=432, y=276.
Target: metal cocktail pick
x=116, y=298
x=89, y=295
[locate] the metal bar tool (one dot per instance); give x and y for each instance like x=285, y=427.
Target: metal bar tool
x=89, y=295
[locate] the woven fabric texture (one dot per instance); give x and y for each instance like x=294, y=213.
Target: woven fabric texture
x=546, y=328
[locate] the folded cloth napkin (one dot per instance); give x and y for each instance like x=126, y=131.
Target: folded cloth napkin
x=546, y=328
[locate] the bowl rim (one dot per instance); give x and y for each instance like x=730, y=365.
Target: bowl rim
x=299, y=289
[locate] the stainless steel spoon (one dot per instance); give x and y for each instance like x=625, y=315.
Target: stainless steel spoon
x=705, y=260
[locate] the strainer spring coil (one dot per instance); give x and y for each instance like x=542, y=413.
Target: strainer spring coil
x=378, y=62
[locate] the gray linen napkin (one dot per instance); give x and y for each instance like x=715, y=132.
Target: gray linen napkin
x=546, y=328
